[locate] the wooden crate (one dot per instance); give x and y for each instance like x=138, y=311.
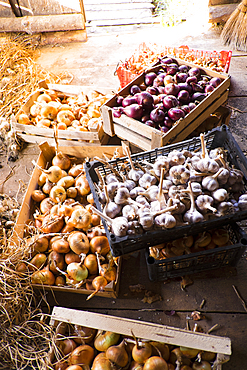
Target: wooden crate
x=148, y=138
x=144, y=330
x=32, y=134
x=46, y=154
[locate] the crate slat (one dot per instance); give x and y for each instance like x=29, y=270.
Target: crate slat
x=144, y=330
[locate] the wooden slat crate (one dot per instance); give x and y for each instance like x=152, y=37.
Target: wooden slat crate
x=46, y=154
x=144, y=330
x=148, y=138
x=32, y=134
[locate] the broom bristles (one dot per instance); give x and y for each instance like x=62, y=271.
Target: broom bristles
x=234, y=32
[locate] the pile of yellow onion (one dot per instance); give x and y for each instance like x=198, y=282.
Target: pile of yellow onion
x=66, y=241
x=55, y=109
x=82, y=348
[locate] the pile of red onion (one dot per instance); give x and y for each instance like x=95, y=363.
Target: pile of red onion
x=166, y=96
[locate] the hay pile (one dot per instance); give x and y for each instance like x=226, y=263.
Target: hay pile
x=19, y=74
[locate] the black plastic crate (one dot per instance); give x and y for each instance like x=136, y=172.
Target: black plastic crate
x=160, y=270
x=218, y=137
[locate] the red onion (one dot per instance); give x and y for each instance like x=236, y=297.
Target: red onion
x=164, y=129
x=194, y=71
x=191, y=79
x=192, y=105
x=152, y=90
x=145, y=99
x=186, y=109
x=134, y=111
x=145, y=118
x=183, y=96
x=167, y=122
x=185, y=86
x=157, y=115
x=215, y=81
x=209, y=88
x=198, y=96
x=166, y=60
x=176, y=113
x=172, y=68
x=196, y=87
x=119, y=99
x=170, y=101
x=172, y=89
x=134, y=89
x=158, y=81
x=149, y=77
x=183, y=68
x=151, y=123
x=116, y=112
x=129, y=100
x=180, y=77
x=161, y=89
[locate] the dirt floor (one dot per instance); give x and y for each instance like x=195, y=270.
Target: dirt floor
x=93, y=63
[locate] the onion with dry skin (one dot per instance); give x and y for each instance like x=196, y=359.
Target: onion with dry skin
x=78, y=242
x=83, y=355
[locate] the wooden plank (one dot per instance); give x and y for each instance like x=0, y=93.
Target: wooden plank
x=108, y=15
x=103, y=8
x=145, y=330
x=104, y=2
x=36, y=24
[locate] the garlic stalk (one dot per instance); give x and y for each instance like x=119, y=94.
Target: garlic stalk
x=192, y=215
x=119, y=225
x=206, y=164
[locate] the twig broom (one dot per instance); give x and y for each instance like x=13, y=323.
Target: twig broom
x=234, y=32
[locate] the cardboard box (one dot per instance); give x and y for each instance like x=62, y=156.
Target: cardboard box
x=148, y=138
x=144, y=330
x=27, y=208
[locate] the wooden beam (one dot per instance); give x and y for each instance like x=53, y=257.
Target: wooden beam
x=145, y=330
x=46, y=23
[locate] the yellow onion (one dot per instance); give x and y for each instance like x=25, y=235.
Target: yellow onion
x=83, y=355
x=61, y=160
x=44, y=277
x=78, y=242
x=38, y=195
x=52, y=224
x=118, y=355
x=101, y=362
x=155, y=363
x=105, y=339
x=98, y=283
x=81, y=218
x=37, y=261
x=82, y=185
x=91, y=263
x=77, y=271
x=100, y=245
x=83, y=334
x=141, y=352
x=58, y=194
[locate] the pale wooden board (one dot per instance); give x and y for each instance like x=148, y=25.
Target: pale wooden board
x=145, y=330
x=45, y=23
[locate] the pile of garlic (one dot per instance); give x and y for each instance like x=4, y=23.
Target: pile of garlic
x=178, y=189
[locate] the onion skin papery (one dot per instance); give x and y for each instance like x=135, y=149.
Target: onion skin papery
x=118, y=355
x=101, y=362
x=142, y=352
x=105, y=339
x=44, y=277
x=82, y=355
x=155, y=363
